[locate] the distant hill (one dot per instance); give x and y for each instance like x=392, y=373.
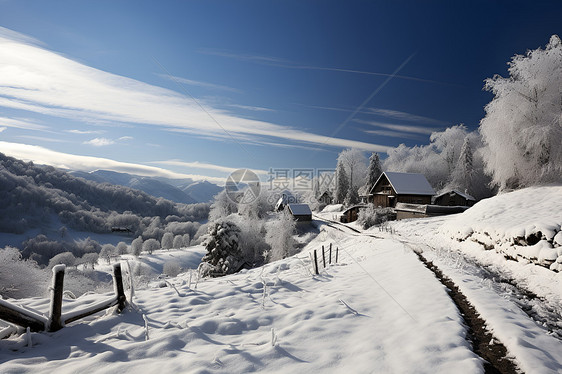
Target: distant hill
x=149, y=185
x=184, y=191
x=202, y=191
x=37, y=199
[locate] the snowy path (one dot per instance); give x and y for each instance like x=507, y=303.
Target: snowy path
x=378, y=311
x=533, y=347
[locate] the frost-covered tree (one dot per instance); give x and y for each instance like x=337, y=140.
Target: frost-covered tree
x=342, y=183
x=222, y=207
x=136, y=246
x=168, y=240
x=171, y=268
x=122, y=248
x=107, y=251
x=150, y=245
x=89, y=260
x=374, y=171
x=355, y=164
x=223, y=252
x=65, y=258
x=523, y=123
x=352, y=197
x=279, y=236
x=463, y=175
x=187, y=240
x=178, y=242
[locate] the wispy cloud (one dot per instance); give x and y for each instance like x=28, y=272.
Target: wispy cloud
x=100, y=142
x=21, y=123
x=44, y=82
x=125, y=138
x=202, y=165
x=43, y=139
x=2, y=129
x=395, y=114
x=41, y=155
x=253, y=108
x=287, y=64
x=192, y=82
x=393, y=134
x=85, y=132
x=401, y=128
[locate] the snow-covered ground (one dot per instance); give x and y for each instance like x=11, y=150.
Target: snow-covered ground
x=379, y=310
x=375, y=311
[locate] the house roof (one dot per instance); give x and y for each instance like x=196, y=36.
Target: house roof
x=465, y=195
x=408, y=183
x=300, y=209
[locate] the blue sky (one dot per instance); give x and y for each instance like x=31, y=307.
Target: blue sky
x=200, y=88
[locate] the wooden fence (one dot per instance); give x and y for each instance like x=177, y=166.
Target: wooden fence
x=314, y=258
x=56, y=320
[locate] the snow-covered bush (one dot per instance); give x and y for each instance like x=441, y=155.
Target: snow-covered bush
x=21, y=278
x=136, y=246
x=279, y=236
x=223, y=252
x=66, y=258
x=122, y=248
x=371, y=216
x=171, y=268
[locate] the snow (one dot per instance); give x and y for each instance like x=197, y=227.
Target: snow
x=378, y=310
x=456, y=244
x=409, y=183
x=374, y=312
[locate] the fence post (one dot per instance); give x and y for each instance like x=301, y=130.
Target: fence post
x=337, y=248
x=330, y=253
x=323, y=258
x=118, y=287
x=56, y=298
x=315, y=263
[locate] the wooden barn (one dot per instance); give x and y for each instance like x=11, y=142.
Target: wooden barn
x=350, y=214
x=301, y=212
x=392, y=188
x=454, y=198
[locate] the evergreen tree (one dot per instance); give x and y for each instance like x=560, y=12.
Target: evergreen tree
x=374, y=171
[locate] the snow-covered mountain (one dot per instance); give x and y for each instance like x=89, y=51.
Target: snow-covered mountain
x=202, y=191
x=184, y=191
x=149, y=185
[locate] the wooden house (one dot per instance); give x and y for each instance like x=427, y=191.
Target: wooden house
x=392, y=188
x=454, y=198
x=301, y=212
x=351, y=213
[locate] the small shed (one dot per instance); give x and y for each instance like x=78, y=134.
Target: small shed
x=325, y=198
x=351, y=213
x=301, y=212
x=392, y=188
x=454, y=198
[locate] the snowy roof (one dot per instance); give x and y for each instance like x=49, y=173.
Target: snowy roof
x=299, y=209
x=408, y=183
x=463, y=194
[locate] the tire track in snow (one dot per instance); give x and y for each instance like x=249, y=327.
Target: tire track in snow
x=484, y=344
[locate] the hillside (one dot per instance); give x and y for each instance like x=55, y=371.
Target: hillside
x=44, y=206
